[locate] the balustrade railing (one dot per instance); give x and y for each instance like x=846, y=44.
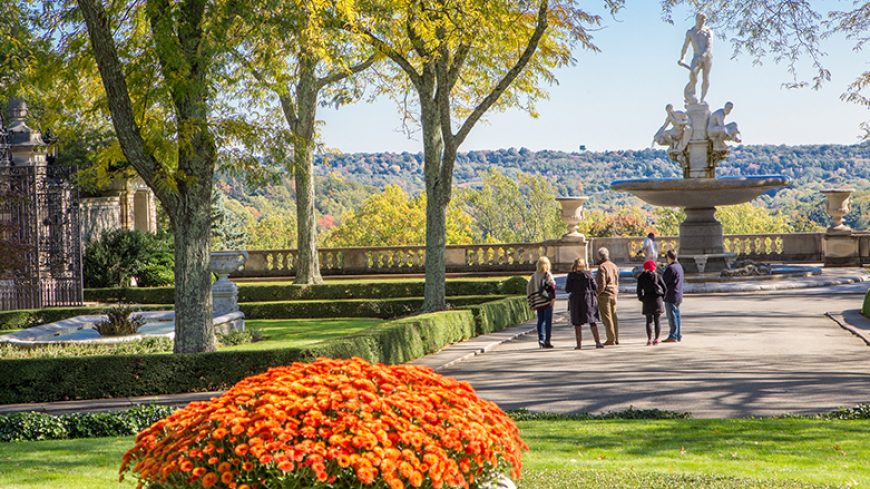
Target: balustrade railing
x=774, y=247
x=397, y=260
x=521, y=257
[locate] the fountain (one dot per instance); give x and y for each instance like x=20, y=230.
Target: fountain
x=696, y=140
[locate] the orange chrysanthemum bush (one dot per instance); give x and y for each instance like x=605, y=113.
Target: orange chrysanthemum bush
x=331, y=424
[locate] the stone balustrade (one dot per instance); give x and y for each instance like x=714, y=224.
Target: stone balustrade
x=521, y=257
x=784, y=247
x=388, y=260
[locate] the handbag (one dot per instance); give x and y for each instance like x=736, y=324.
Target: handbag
x=541, y=297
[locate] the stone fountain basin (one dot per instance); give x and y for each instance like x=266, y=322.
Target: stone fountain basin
x=700, y=192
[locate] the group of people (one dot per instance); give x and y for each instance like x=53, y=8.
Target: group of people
x=592, y=299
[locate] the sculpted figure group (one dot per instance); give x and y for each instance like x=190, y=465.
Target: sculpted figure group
x=677, y=132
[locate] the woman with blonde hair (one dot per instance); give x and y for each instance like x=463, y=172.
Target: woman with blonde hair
x=541, y=292
x=583, y=301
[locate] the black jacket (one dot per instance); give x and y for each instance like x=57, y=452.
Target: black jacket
x=583, y=301
x=651, y=291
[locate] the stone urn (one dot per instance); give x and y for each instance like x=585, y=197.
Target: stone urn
x=224, y=293
x=838, y=205
x=572, y=214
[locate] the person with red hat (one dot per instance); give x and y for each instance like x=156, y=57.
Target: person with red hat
x=651, y=291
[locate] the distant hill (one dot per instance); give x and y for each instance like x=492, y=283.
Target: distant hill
x=591, y=172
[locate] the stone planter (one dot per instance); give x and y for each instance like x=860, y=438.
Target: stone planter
x=838, y=205
x=572, y=214
x=225, y=294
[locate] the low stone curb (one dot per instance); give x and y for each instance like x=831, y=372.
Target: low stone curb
x=843, y=322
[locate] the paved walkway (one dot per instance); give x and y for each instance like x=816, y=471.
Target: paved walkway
x=747, y=355
x=742, y=355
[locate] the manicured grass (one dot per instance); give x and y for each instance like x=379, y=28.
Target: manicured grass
x=810, y=451
x=612, y=454
x=294, y=333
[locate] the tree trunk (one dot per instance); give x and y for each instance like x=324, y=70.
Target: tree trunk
x=194, y=330
x=434, y=290
x=307, y=260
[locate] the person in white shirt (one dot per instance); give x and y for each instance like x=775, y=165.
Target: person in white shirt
x=650, y=249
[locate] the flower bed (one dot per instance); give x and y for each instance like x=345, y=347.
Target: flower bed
x=335, y=424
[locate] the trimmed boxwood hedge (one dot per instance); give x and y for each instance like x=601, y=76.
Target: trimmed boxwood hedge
x=33, y=426
x=349, y=308
x=368, y=308
x=334, y=290
x=402, y=340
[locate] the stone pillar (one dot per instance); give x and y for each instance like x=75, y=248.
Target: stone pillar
x=563, y=252
x=701, y=233
x=699, y=146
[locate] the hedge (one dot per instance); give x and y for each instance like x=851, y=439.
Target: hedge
x=402, y=340
x=369, y=308
x=364, y=308
x=335, y=290
x=497, y=315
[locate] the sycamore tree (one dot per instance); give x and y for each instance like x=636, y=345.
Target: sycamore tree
x=158, y=62
x=454, y=60
x=793, y=32
x=296, y=56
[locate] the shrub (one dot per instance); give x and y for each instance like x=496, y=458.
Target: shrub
x=335, y=423
x=861, y=411
x=240, y=337
x=33, y=426
x=120, y=255
x=348, y=308
x=120, y=323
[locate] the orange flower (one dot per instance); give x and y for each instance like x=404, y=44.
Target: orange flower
x=382, y=421
x=209, y=480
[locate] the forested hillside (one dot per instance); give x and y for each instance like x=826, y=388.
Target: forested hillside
x=593, y=172
x=508, y=195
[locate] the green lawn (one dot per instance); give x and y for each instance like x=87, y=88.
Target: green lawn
x=612, y=454
x=287, y=333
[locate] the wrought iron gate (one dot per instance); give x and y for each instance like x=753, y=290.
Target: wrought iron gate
x=40, y=210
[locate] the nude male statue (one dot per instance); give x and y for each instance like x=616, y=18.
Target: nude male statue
x=719, y=132
x=678, y=136
x=701, y=38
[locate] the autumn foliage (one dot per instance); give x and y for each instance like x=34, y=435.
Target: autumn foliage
x=331, y=423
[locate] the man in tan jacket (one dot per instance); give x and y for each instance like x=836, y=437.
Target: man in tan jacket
x=607, y=281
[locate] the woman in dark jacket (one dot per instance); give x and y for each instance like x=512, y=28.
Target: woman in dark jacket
x=651, y=291
x=583, y=301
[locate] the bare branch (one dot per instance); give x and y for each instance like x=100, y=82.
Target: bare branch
x=339, y=75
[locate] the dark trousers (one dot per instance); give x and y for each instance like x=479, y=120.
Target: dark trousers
x=650, y=319
x=545, y=324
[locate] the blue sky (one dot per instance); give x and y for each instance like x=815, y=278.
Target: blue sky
x=615, y=99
